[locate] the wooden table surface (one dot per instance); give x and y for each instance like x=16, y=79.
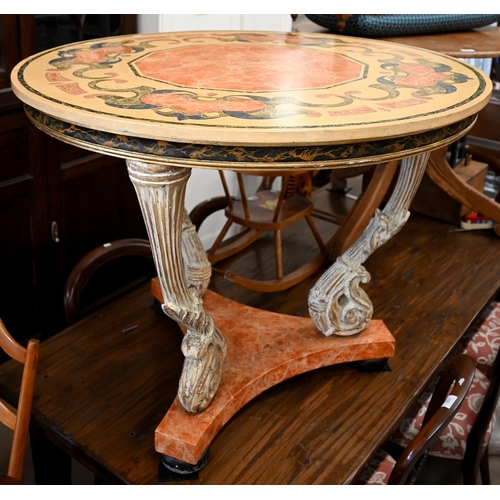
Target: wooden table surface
x=101, y=390
x=479, y=43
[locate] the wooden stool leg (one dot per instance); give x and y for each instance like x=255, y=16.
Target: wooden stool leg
x=160, y=190
x=316, y=234
x=278, y=254
x=337, y=304
x=220, y=238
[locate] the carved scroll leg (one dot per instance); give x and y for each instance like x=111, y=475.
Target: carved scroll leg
x=161, y=190
x=337, y=304
x=356, y=221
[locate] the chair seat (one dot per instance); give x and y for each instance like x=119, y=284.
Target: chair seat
x=262, y=207
x=378, y=469
x=451, y=443
x=485, y=342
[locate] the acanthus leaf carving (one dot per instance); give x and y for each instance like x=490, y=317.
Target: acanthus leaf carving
x=337, y=303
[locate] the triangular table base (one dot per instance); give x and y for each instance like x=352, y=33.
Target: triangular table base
x=263, y=349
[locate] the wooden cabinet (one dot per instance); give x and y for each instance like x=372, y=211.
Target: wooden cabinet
x=57, y=202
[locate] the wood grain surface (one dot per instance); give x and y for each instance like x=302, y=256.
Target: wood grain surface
x=102, y=389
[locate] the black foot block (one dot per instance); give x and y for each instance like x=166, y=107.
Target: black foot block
x=175, y=469
x=373, y=365
x=156, y=306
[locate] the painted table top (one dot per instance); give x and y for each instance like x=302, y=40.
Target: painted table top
x=250, y=88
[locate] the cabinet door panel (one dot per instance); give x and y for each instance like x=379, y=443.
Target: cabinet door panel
x=9, y=47
x=17, y=293
x=14, y=140
x=44, y=181
x=22, y=223
x=93, y=202
x=99, y=205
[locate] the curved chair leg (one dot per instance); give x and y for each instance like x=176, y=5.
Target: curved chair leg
x=278, y=255
x=484, y=467
x=444, y=176
x=218, y=241
x=244, y=239
x=206, y=208
x=315, y=233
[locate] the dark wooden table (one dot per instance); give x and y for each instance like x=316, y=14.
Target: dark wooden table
x=103, y=388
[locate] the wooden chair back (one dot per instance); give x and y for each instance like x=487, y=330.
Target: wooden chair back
x=18, y=420
x=94, y=260
x=265, y=211
x=450, y=392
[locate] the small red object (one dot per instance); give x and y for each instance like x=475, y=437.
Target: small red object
x=475, y=220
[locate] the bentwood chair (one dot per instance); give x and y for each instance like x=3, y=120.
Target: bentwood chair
x=94, y=261
x=401, y=466
x=267, y=210
x=298, y=188
x=19, y=420
x=467, y=436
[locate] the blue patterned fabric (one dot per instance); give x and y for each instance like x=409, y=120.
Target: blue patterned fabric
x=385, y=25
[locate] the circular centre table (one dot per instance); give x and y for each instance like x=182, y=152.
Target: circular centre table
x=260, y=102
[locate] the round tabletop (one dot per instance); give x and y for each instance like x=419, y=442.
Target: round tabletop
x=237, y=88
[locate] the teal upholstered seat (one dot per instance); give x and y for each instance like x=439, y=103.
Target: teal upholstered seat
x=386, y=25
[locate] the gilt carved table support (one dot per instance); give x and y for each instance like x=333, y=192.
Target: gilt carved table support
x=183, y=273
x=337, y=303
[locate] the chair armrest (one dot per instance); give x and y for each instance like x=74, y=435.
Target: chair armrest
x=87, y=266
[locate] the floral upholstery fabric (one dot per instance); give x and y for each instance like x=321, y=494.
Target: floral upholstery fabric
x=378, y=470
x=482, y=343
x=451, y=443
x=483, y=340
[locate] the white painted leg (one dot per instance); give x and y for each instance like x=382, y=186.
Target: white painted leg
x=183, y=272
x=337, y=303
x=198, y=267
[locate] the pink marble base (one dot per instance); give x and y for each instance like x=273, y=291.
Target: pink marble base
x=263, y=349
